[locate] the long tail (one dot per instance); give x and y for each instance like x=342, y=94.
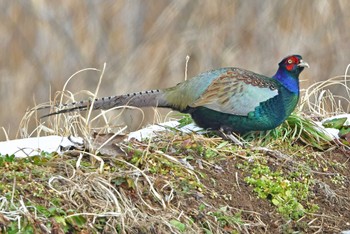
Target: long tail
x=139, y=99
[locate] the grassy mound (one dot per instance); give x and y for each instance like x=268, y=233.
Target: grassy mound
x=291, y=179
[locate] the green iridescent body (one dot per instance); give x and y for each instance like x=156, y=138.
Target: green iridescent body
x=266, y=116
x=262, y=115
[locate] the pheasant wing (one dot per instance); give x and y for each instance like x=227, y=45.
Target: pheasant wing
x=237, y=92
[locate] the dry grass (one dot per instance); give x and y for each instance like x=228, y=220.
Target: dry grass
x=320, y=100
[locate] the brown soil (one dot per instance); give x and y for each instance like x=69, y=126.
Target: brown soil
x=232, y=191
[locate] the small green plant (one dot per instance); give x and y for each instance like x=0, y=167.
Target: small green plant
x=227, y=220
x=6, y=159
x=283, y=192
x=178, y=225
x=295, y=128
x=185, y=120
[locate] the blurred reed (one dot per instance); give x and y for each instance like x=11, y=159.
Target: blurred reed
x=145, y=43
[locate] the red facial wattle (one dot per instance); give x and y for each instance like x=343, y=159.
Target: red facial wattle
x=291, y=62
x=290, y=67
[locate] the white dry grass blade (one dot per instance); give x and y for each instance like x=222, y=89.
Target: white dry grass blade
x=186, y=67
x=64, y=91
x=31, y=216
x=157, y=117
x=171, y=158
x=112, y=203
x=117, y=116
x=13, y=215
x=153, y=190
x=111, y=191
x=71, y=77
x=85, y=124
x=109, y=201
x=87, y=129
x=5, y=133
x=109, y=195
x=111, y=138
x=83, y=153
x=324, y=102
x=346, y=80
x=96, y=92
x=56, y=127
x=57, y=178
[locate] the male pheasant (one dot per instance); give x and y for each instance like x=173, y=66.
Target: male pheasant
x=232, y=99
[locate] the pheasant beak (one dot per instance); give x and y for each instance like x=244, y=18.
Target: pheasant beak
x=303, y=64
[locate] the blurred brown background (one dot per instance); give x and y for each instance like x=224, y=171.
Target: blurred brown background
x=145, y=43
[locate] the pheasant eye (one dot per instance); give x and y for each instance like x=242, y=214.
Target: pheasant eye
x=290, y=61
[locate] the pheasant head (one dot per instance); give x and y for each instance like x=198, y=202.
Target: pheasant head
x=288, y=72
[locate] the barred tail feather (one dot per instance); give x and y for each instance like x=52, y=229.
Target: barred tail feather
x=138, y=99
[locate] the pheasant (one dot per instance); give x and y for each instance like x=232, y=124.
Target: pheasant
x=231, y=99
